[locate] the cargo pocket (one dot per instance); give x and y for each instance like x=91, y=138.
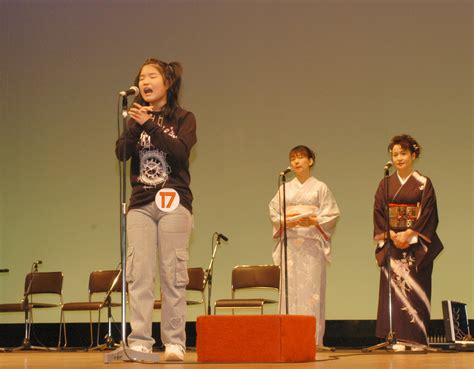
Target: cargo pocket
x=181, y=270
x=129, y=271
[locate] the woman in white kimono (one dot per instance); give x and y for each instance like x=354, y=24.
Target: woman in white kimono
x=312, y=213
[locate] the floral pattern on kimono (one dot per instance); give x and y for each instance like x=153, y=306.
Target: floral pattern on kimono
x=411, y=268
x=309, y=248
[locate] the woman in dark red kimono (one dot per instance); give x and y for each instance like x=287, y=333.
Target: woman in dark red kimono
x=413, y=220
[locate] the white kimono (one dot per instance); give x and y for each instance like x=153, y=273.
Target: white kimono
x=309, y=248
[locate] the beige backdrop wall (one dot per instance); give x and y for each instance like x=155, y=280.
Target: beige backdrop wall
x=261, y=77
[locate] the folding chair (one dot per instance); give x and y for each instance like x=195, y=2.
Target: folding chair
x=36, y=283
x=100, y=281
x=251, y=277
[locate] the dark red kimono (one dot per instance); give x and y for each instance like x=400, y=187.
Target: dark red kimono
x=412, y=205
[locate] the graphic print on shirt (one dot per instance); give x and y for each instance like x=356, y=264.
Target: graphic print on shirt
x=167, y=130
x=154, y=169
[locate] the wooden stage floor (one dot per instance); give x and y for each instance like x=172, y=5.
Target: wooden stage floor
x=347, y=359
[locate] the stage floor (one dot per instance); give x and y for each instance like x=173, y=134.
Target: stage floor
x=347, y=359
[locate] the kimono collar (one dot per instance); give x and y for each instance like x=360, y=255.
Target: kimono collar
x=299, y=184
x=403, y=181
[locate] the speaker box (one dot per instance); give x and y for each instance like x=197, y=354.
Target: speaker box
x=456, y=323
x=256, y=338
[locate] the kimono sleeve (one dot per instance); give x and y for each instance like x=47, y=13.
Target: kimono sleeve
x=427, y=221
x=328, y=211
x=380, y=224
x=274, y=208
x=426, y=225
x=379, y=212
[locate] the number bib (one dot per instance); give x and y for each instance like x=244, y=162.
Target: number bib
x=167, y=199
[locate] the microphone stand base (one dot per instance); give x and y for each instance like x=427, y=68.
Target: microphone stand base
x=127, y=354
x=27, y=346
x=415, y=348
x=325, y=349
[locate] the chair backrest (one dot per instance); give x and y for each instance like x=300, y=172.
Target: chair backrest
x=101, y=281
x=255, y=276
x=44, y=282
x=197, y=280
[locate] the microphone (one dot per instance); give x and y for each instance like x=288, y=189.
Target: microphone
x=220, y=235
x=286, y=171
x=132, y=91
x=387, y=165
x=34, y=267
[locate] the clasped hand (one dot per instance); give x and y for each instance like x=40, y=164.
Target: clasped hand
x=302, y=222
x=400, y=239
x=140, y=113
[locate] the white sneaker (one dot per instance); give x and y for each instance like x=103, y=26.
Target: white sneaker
x=398, y=347
x=174, y=352
x=141, y=348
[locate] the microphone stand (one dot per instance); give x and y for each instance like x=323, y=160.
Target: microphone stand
x=26, y=344
x=285, y=243
x=210, y=271
x=109, y=343
x=124, y=353
x=391, y=338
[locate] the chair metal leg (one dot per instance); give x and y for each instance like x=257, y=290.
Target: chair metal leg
x=91, y=330
x=203, y=299
x=62, y=328
x=98, y=329
x=64, y=331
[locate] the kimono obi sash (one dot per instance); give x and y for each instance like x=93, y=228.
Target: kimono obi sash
x=402, y=216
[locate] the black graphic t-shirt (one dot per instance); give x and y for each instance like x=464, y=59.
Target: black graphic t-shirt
x=160, y=156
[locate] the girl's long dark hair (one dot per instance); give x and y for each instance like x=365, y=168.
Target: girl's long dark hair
x=171, y=73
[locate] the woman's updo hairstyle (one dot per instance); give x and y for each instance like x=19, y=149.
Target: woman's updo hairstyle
x=406, y=142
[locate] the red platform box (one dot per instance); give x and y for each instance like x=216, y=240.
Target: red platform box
x=256, y=338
